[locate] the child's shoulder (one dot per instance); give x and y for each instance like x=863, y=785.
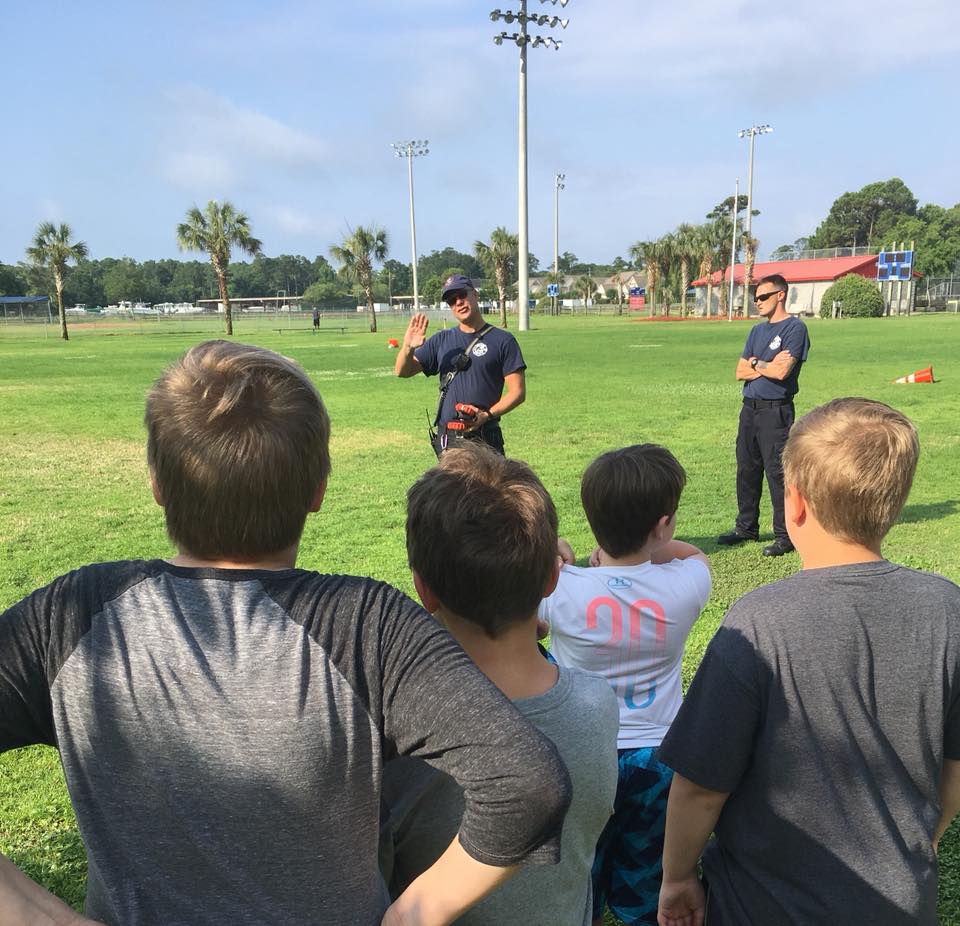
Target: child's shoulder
x=581, y=701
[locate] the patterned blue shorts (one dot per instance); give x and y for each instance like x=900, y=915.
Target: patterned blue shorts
x=629, y=863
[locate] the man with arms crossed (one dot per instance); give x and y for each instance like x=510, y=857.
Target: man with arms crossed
x=770, y=368
x=493, y=362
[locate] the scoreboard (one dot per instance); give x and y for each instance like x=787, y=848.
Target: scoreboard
x=895, y=265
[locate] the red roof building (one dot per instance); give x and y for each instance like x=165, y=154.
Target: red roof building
x=808, y=279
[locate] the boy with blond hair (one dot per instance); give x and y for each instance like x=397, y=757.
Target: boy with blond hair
x=820, y=738
x=627, y=618
x=222, y=717
x=482, y=542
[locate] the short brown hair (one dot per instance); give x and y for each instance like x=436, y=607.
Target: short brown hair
x=853, y=460
x=482, y=534
x=238, y=444
x=625, y=492
x=778, y=283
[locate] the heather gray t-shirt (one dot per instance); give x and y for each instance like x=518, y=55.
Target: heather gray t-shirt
x=422, y=809
x=222, y=734
x=826, y=704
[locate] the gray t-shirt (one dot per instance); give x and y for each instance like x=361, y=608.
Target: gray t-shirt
x=223, y=732
x=422, y=810
x=826, y=704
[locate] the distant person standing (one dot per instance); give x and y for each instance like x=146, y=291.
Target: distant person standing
x=475, y=360
x=316, y=318
x=770, y=369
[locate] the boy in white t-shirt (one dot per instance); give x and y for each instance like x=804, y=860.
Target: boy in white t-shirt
x=627, y=618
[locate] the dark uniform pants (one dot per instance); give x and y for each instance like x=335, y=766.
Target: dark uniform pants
x=764, y=427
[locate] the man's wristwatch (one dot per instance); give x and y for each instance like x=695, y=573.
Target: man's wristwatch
x=753, y=363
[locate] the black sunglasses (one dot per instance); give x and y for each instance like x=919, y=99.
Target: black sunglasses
x=765, y=296
x=454, y=296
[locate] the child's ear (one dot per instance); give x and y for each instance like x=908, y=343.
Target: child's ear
x=157, y=497
x=425, y=593
x=553, y=579
x=661, y=530
x=317, y=499
x=794, y=506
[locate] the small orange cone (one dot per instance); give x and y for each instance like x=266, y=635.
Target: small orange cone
x=393, y=343
x=921, y=376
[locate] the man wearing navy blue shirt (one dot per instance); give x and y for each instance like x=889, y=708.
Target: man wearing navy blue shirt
x=492, y=363
x=770, y=369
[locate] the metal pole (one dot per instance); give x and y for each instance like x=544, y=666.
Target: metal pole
x=523, y=283
x=556, y=225
x=413, y=233
x=749, y=225
x=557, y=184
x=733, y=249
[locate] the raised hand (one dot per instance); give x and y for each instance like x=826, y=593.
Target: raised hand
x=416, y=332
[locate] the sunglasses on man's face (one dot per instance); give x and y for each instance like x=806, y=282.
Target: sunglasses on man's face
x=454, y=296
x=763, y=297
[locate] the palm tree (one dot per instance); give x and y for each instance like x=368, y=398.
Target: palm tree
x=686, y=247
x=714, y=256
x=215, y=230
x=655, y=257
x=587, y=287
x=52, y=250
x=499, y=257
x=356, y=255
x=665, y=252
x=617, y=280
x=641, y=254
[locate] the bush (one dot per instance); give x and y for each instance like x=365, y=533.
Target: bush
x=858, y=298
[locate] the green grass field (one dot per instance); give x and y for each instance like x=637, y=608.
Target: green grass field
x=73, y=481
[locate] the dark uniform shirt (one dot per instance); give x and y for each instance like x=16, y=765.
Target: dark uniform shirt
x=495, y=356
x=764, y=342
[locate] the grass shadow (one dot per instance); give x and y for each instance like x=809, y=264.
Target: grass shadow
x=933, y=511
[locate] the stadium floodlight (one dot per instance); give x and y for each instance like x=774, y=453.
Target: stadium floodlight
x=410, y=150
x=752, y=133
x=522, y=40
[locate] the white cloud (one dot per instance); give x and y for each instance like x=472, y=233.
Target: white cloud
x=765, y=48
x=211, y=141
x=197, y=171
x=297, y=223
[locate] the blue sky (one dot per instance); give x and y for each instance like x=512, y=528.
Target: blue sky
x=119, y=116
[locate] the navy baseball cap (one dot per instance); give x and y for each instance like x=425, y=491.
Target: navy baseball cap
x=457, y=281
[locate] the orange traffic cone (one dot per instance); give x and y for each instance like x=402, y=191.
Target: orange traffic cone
x=921, y=376
x=393, y=343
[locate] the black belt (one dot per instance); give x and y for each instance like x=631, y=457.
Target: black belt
x=767, y=403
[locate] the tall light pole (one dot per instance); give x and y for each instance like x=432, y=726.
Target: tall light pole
x=522, y=39
x=733, y=249
x=411, y=150
x=558, y=185
x=752, y=133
